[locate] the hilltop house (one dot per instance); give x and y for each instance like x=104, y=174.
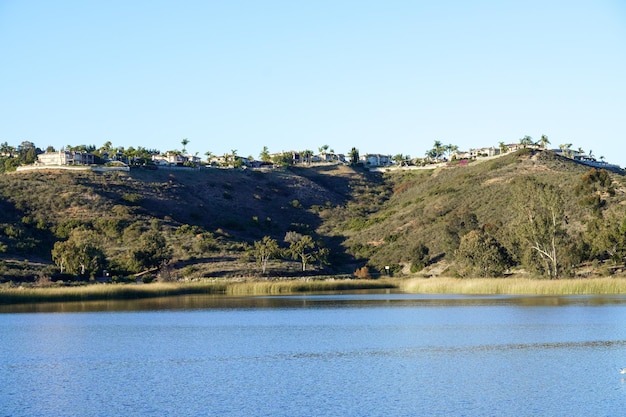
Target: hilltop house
x=64, y=157
x=586, y=159
x=328, y=157
x=175, y=159
x=376, y=160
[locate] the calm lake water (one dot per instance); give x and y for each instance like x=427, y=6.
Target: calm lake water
x=367, y=354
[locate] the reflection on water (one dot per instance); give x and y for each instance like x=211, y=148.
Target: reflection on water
x=328, y=299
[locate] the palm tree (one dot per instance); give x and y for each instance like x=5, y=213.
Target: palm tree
x=436, y=151
x=503, y=148
x=306, y=155
x=566, y=148
x=184, y=142
x=525, y=141
x=544, y=141
x=236, y=162
x=451, y=149
x=354, y=156
x=265, y=155
x=7, y=150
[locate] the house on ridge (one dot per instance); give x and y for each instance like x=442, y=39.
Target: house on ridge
x=66, y=157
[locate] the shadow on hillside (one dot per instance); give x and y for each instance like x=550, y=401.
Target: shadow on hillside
x=22, y=237
x=242, y=206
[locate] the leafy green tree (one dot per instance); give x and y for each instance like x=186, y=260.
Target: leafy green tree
x=420, y=257
x=540, y=226
x=300, y=247
x=80, y=254
x=235, y=160
x=9, y=164
x=107, y=148
x=265, y=155
x=321, y=256
x=27, y=152
x=354, y=156
x=459, y=224
x=142, y=156
x=151, y=252
x=265, y=250
x=592, y=188
x=481, y=255
x=282, y=159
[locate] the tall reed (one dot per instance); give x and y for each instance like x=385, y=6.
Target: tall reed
x=515, y=286
x=105, y=292
x=130, y=291
x=297, y=286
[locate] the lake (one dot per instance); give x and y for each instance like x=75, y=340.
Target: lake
x=352, y=354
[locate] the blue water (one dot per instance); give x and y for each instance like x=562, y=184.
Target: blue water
x=341, y=355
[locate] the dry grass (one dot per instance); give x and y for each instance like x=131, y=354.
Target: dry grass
x=515, y=286
x=474, y=286
x=14, y=295
x=298, y=286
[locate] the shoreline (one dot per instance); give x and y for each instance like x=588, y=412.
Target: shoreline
x=439, y=285
x=99, y=292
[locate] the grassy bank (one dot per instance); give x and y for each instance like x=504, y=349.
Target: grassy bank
x=474, y=286
x=515, y=286
x=15, y=295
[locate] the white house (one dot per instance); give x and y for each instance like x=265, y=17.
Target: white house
x=169, y=159
x=376, y=160
x=64, y=157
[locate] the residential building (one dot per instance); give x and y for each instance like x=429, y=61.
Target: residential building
x=64, y=157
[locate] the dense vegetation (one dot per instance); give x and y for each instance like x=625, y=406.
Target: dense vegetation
x=526, y=211
x=531, y=209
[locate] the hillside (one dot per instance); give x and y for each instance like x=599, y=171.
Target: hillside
x=435, y=207
x=210, y=219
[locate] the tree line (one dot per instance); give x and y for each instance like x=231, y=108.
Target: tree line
x=301, y=247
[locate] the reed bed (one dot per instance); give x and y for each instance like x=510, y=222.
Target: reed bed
x=297, y=286
x=105, y=292
x=515, y=286
x=13, y=295
x=473, y=286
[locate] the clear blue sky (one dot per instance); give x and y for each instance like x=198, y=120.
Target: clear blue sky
x=386, y=76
